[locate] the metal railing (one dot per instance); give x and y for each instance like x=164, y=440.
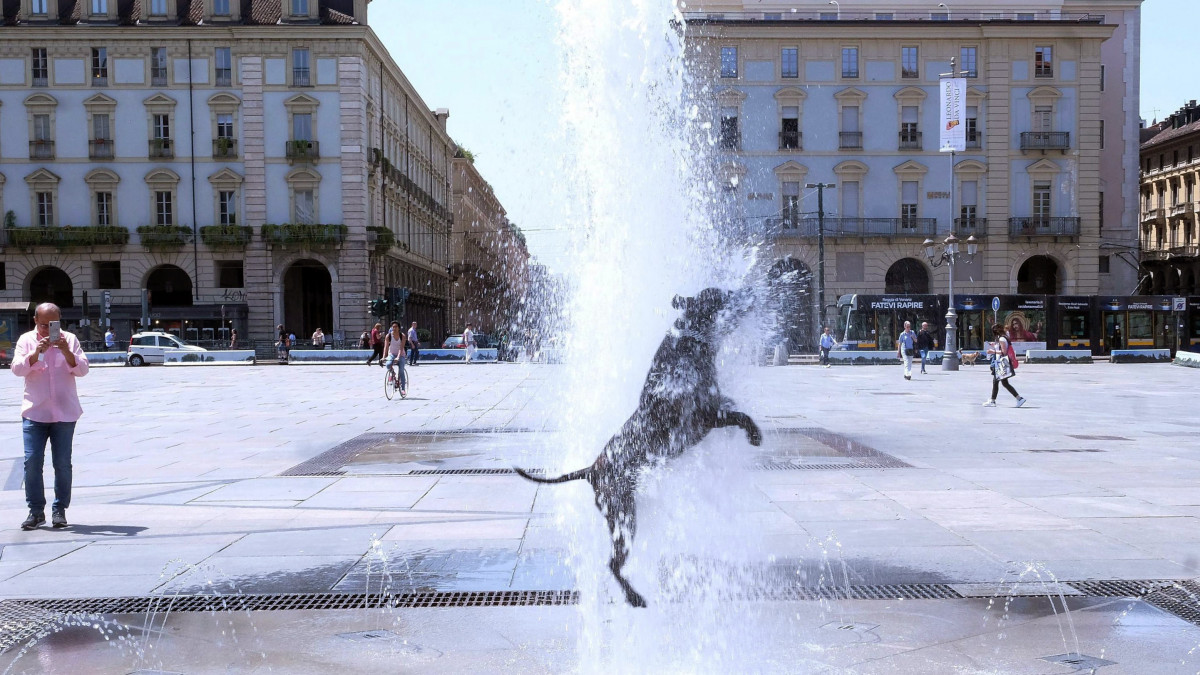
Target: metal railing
x=807, y=228
x=974, y=141
x=1183, y=209
x=41, y=149
x=1045, y=140
x=850, y=140
x=1154, y=215
x=224, y=77
x=300, y=78
x=224, y=147
x=844, y=15
x=790, y=140
x=100, y=148
x=41, y=81
x=161, y=148
x=303, y=149
x=967, y=227
x=1185, y=251
x=1057, y=226
x=731, y=140
x=910, y=140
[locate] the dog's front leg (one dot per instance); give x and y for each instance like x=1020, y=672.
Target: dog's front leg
x=735, y=418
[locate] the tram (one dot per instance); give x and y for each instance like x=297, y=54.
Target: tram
x=1095, y=323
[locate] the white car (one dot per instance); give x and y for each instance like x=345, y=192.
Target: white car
x=153, y=346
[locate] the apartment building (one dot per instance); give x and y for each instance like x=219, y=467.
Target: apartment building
x=1170, y=232
x=847, y=94
x=250, y=163
x=489, y=257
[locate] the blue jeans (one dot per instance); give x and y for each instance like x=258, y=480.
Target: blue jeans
x=924, y=355
x=403, y=374
x=36, y=434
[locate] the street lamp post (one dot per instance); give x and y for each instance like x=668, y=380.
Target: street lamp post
x=948, y=256
x=820, y=188
x=838, y=7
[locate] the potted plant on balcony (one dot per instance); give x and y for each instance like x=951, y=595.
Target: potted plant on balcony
x=224, y=146
x=159, y=237
x=301, y=147
x=226, y=236
x=384, y=238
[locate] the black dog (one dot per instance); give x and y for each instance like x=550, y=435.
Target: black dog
x=680, y=404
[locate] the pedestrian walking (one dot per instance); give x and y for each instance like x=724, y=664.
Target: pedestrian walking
x=905, y=345
x=50, y=360
x=283, y=344
x=469, y=344
x=1116, y=341
x=827, y=343
x=414, y=345
x=376, y=344
x=110, y=340
x=1004, y=366
x=318, y=338
x=233, y=338
x=924, y=343
x=394, y=346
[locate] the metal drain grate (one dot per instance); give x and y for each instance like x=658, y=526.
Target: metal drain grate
x=871, y=592
x=793, y=466
x=1181, y=599
x=332, y=461
x=1088, y=437
x=1064, y=450
x=19, y=623
x=1120, y=588
x=470, y=472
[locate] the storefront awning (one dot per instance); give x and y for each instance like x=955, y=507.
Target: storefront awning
x=14, y=306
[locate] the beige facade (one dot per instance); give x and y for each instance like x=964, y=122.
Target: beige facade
x=847, y=94
x=489, y=257
x=1170, y=229
x=250, y=170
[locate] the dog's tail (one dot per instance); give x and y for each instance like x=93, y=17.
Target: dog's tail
x=574, y=475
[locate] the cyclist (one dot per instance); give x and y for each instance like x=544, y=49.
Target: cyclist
x=396, y=351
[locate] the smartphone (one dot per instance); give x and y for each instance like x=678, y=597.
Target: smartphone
x=55, y=331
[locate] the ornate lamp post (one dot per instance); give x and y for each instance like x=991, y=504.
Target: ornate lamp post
x=948, y=254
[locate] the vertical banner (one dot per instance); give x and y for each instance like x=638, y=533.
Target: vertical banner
x=953, y=124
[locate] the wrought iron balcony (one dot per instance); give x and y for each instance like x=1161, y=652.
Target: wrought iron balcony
x=224, y=77
x=162, y=148
x=1045, y=140
x=850, y=140
x=1185, y=251
x=1183, y=209
x=910, y=140
x=958, y=16
x=966, y=227
x=731, y=140
x=41, y=149
x=100, y=148
x=808, y=228
x=1058, y=226
x=974, y=141
x=224, y=148
x=1154, y=215
x=300, y=78
x=790, y=140
x=303, y=149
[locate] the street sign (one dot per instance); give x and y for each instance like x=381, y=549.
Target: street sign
x=1178, y=304
x=995, y=304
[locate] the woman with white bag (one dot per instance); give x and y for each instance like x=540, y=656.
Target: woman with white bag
x=1004, y=366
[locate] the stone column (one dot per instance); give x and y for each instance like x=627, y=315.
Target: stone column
x=354, y=284
x=259, y=271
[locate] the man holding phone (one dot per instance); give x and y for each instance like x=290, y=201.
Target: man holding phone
x=49, y=359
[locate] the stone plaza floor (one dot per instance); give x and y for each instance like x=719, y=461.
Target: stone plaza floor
x=885, y=526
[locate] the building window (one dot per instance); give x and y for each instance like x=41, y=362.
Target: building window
x=220, y=7
x=969, y=210
x=1043, y=62
x=108, y=274
x=850, y=197
x=1102, y=141
x=910, y=134
x=163, y=208
x=908, y=203
x=38, y=8
x=883, y=16
x=1024, y=16
x=300, y=69
x=230, y=274
x=158, y=66
x=227, y=207
x=791, y=62
x=99, y=7
x=224, y=67
x=1041, y=201
x=104, y=203
x=850, y=62
x=225, y=125
x=102, y=143
x=974, y=138
x=302, y=127
x=731, y=137
x=39, y=68
x=1103, y=76
x=158, y=7
x=729, y=62
x=45, y=209
x=789, y=132
x=42, y=145
x=1100, y=220
x=305, y=206
x=160, y=143
x=100, y=67
x=850, y=137
x=1174, y=153
x=1104, y=264
x=909, y=63
x=939, y=16
x=299, y=8
x=791, y=204
x=968, y=61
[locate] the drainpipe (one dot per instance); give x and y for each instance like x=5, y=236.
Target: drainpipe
x=192, y=156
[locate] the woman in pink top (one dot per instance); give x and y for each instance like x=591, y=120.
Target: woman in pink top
x=49, y=411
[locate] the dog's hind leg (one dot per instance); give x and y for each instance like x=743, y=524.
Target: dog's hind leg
x=734, y=418
x=619, y=511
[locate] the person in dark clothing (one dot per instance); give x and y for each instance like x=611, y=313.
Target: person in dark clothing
x=924, y=343
x=376, y=344
x=1116, y=341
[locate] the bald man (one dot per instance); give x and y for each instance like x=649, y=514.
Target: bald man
x=48, y=412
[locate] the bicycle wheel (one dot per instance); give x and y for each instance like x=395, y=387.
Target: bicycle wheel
x=389, y=384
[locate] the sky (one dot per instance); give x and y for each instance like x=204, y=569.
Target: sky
x=495, y=64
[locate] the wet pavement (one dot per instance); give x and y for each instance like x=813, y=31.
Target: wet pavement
x=865, y=480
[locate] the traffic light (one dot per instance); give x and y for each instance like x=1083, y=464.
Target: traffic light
x=377, y=307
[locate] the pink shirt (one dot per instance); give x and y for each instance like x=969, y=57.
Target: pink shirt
x=50, y=394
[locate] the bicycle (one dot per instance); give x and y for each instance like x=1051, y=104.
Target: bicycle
x=391, y=385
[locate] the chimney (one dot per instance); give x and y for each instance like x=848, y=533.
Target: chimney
x=442, y=114
x=360, y=11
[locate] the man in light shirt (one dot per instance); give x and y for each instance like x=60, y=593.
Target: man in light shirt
x=49, y=411
x=414, y=345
